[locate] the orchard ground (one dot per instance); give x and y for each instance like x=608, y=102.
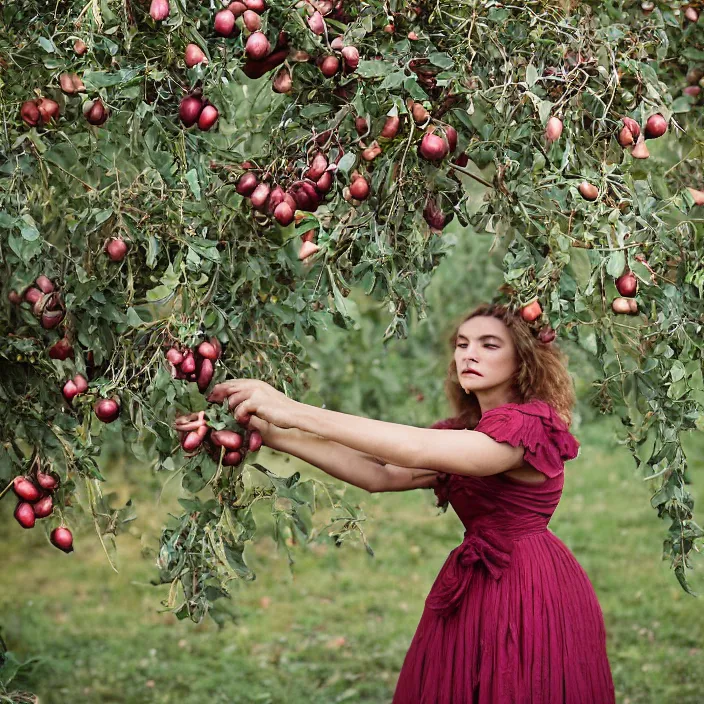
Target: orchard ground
x=338, y=630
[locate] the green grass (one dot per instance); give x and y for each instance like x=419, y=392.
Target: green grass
x=338, y=629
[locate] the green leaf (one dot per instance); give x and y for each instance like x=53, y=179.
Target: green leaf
x=28, y=229
x=532, y=75
x=441, y=59
x=192, y=178
x=133, y=318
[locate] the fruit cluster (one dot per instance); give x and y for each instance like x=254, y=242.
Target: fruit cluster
x=195, y=365
x=47, y=303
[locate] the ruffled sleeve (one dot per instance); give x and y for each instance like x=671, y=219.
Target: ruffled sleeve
x=442, y=488
x=537, y=426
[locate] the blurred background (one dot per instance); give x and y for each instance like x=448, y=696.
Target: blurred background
x=335, y=626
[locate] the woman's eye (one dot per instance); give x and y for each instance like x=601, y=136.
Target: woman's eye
x=464, y=344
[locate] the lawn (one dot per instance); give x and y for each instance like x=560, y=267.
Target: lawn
x=338, y=628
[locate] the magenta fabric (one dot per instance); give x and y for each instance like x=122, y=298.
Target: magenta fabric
x=512, y=617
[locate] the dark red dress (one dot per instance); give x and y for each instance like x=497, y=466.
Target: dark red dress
x=512, y=617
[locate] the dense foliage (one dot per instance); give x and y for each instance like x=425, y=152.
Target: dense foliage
x=151, y=239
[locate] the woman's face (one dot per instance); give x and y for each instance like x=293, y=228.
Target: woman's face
x=484, y=344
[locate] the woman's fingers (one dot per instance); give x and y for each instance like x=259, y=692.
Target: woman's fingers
x=191, y=421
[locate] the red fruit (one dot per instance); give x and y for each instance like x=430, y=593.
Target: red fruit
x=208, y=117
x=697, y=195
x=531, y=312
x=307, y=249
x=205, y=375
x=288, y=198
x=413, y=36
x=627, y=284
x=251, y=20
x=656, y=126
x=692, y=91
x=61, y=350
x=95, y=112
x=188, y=366
x=62, y=538
x=283, y=83
x=588, y=191
x=308, y=236
x=69, y=390
x=553, y=129
x=70, y=83
x=691, y=14
x=256, y=5
x=255, y=441
x=237, y=8
x=317, y=168
x=32, y=295
x=361, y=125
x=194, y=56
x=546, y=335
x=324, y=183
x=276, y=196
x=433, y=148
x=391, y=127
x=107, y=410
x=228, y=439
x=284, y=214
x=25, y=489
x=205, y=349
x=159, y=10
x=359, y=189
x=451, y=137
x=337, y=43
x=433, y=215
x=623, y=305
x=51, y=318
x=257, y=46
x=217, y=346
x=371, y=152
x=81, y=383
x=24, y=514
x=43, y=507
x=44, y=283
x=231, y=459
x=259, y=196
x=189, y=110
x=419, y=113
x=330, y=66
x=316, y=23
x=14, y=298
x=246, y=184
x=80, y=47
x=632, y=125
x=351, y=56
x=47, y=481
x=116, y=249
x=640, y=151
x=48, y=109
x=174, y=356
x=192, y=441
x=625, y=137
x=29, y=112
x=224, y=23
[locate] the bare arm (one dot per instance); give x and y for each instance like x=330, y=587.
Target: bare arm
x=352, y=466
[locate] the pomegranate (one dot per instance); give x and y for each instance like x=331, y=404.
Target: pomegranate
x=359, y=189
x=317, y=167
x=107, y=410
x=62, y=538
x=69, y=391
x=697, y=195
x=43, y=507
x=188, y=366
x=174, y=356
x=224, y=23
x=159, y=10
x=257, y=46
x=307, y=249
x=316, y=23
x=44, y=283
x=29, y=112
x=255, y=441
x=228, y=439
x=194, y=56
x=246, y=184
x=80, y=47
x=588, y=191
x=553, y=129
x=61, y=350
x=329, y=66
x=432, y=147
x=25, y=489
x=81, y=383
x=208, y=117
x=351, y=56
x=95, y=112
x=391, y=127
x=24, y=514
x=627, y=284
x=283, y=83
x=640, y=151
x=116, y=249
x=532, y=311
x=546, y=335
x=231, y=459
x=48, y=109
x=251, y=20
x=324, y=183
x=655, y=127
x=47, y=481
x=260, y=196
x=361, y=125
x=189, y=110
x=284, y=214
x=51, y=318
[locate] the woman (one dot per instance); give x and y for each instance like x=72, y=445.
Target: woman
x=512, y=617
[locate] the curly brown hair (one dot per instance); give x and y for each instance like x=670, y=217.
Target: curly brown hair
x=542, y=370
